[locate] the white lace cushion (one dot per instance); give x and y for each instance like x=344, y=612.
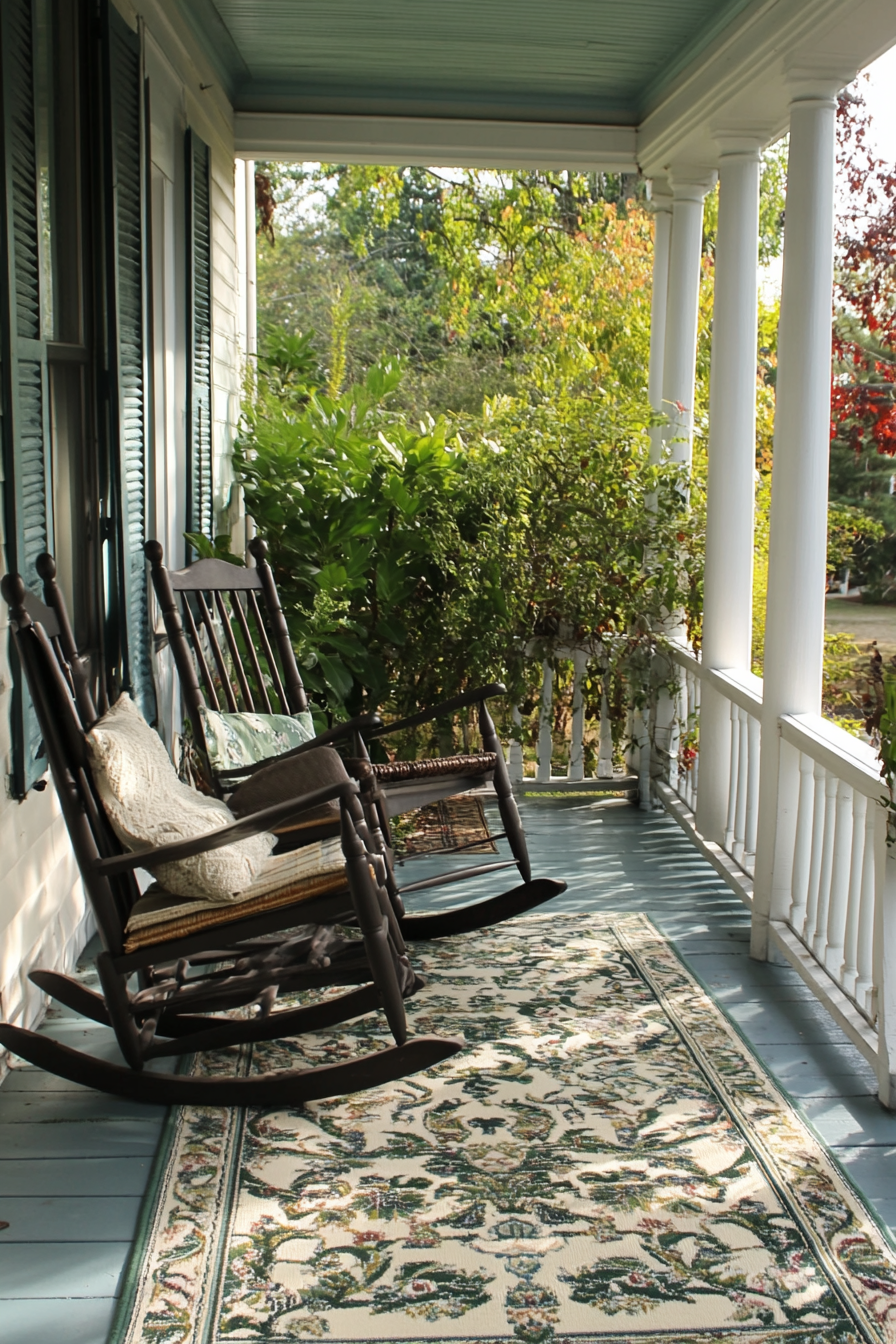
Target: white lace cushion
x=148, y=805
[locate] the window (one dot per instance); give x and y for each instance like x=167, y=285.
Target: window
x=72, y=378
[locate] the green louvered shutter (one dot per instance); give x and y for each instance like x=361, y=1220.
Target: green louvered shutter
x=200, y=511
x=126, y=271
x=24, y=355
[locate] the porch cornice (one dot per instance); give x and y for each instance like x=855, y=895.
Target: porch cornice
x=449, y=142
x=742, y=78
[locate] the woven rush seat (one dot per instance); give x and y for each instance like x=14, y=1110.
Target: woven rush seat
x=390, y=771
x=301, y=875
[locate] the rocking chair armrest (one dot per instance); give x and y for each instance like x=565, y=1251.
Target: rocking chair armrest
x=253, y=824
x=446, y=707
x=361, y=723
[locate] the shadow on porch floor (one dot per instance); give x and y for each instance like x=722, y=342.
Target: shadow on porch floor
x=74, y=1164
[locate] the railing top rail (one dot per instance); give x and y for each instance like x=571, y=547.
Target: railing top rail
x=845, y=756
x=744, y=688
x=683, y=657
x=735, y=684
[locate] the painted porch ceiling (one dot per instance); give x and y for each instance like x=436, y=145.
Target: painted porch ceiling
x=591, y=61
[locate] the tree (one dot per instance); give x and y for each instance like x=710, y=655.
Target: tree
x=863, y=427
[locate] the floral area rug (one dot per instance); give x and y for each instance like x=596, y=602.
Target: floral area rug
x=606, y=1161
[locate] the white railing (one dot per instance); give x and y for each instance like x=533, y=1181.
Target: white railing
x=833, y=898
x=575, y=773
x=743, y=693
x=838, y=852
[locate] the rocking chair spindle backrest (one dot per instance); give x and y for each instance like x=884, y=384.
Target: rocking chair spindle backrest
x=63, y=642
x=228, y=636
x=51, y=682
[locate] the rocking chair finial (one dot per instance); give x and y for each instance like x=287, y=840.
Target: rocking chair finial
x=46, y=567
x=153, y=552
x=258, y=549
x=14, y=594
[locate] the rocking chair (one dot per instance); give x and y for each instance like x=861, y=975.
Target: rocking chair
x=231, y=648
x=231, y=955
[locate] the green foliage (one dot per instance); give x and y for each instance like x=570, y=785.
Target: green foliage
x=850, y=531
x=459, y=522
x=887, y=751
x=219, y=549
x=413, y=561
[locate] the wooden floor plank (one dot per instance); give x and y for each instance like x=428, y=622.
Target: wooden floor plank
x=68, y=1218
x=852, y=1122
x=107, y=1176
x=61, y=1269
x=28, y=1079
x=34, y=1107
x=89, y=1138
x=58, y=1320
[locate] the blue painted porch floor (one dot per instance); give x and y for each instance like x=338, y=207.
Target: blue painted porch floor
x=74, y=1164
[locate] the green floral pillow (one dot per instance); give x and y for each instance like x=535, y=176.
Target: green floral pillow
x=235, y=740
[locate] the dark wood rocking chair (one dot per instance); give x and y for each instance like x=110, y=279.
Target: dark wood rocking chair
x=232, y=651
x=236, y=956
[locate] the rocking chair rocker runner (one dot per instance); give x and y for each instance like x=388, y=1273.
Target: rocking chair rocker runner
x=233, y=654
x=233, y=962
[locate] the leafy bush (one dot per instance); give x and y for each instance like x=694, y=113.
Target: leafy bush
x=413, y=561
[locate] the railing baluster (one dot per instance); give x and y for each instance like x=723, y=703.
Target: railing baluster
x=835, y=931
x=605, y=747
x=820, y=929
x=686, y=774
x=642, y=737
x=802, y=850
x=752, y=823
x=515, y=751
x=695, y=768
x=864, y=990
x=576, y=768
x=808, y=928
x=546, y=725
x=850, y=972
x=732, y=778
x=740, y=818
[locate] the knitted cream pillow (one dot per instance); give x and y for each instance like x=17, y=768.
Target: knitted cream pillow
x=148, y=805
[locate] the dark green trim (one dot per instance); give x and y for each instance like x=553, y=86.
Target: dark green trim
x=23, y=354
x=126, y=268
x=200, y=425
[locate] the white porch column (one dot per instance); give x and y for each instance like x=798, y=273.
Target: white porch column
x=679, y=371
x=661, y=204
x=794, y=623
x=728, y=575
x=680, y=344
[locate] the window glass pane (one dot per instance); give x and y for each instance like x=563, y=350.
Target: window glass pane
x=43, y=91
x=58, y=157
x=73, y=523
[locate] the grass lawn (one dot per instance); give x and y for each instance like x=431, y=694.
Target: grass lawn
x=863, y=622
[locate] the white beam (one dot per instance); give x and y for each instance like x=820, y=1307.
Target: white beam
x=740, y=78
x=426, y=141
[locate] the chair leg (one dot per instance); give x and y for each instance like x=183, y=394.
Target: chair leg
x=374, y=925
x=510, y=817
x=382, y=869
x=119, y=1007
x=377, y=817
